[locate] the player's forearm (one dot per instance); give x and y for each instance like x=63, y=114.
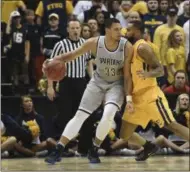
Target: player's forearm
x=157, y=72
x=50, y=83
x=66, y=57
x=90, y=68
x=128, y=85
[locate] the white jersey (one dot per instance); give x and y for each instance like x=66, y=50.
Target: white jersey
x=110, y=63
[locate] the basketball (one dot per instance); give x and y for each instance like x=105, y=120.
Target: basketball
x=55, y=70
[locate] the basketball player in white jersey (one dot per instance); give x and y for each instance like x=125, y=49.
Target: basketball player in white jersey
x=106, y=86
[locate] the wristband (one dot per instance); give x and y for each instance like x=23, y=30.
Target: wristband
x=129, y=98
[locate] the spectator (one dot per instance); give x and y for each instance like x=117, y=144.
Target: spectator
x=140, y=6
x=7, y=143
x=10, y=6
x=162, y=32
x=35, y=122
x=113, y=7
x=179, y=85
x=133, y=16
x=181, y=112
x=31, y=4
x=152, y=19
x=62, y=8
x=94, y=27
x=154, y=47
x=186, y=30
x=186, y=15
x=52, y=35
x=181, y=7
x=82, y=6
x=86, y=31
x=100, y=18
x=125, y=6
x=164, y=4
x=34, y=35
x=175, y=55
x=20, y=50
x=5, y=47
x=83, y=17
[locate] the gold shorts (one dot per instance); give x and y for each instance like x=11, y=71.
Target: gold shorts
x=150, y=105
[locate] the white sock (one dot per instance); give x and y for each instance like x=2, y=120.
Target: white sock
x=73, y=126
x=106, y=122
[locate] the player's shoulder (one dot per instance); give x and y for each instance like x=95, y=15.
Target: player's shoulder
x=93, y=40
x=143, y=46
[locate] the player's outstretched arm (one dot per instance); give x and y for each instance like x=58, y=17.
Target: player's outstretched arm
x=154, y=66
x=86, y=47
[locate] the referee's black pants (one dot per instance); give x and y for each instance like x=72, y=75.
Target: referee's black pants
x=70, y=93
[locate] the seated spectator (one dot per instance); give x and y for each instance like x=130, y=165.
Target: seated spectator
x=100, y=18
x=182, y=110
x=140, y=6
x=113, y=7
x=179, y=85
x=164, y=4
x=186, y=15
x=30, y=118
x=94, y=27
x=82, y=6
x=125, y=6
x=7, y=143
x=86, y=31
x=86, y=15
x=175, y=55
x=133, y=16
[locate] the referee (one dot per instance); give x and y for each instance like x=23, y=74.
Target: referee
x=71, y=88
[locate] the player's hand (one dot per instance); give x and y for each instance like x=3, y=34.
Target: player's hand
x=27, y=60
x=130, y=107
x=51, y=93
x=44, y=66
x=142, y=74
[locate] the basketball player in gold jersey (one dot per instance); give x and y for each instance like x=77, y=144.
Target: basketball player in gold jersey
x=145, y=100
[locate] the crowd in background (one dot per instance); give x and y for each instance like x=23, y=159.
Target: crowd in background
x=29, y=31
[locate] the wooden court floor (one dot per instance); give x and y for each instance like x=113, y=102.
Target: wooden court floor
x=160, y=163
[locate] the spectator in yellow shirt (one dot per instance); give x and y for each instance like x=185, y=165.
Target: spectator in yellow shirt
x=175, y=56
x=162, y=32
x=62, y=8
x=8, y=6
x=140, y=6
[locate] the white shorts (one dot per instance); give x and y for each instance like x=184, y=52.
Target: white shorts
x=99, y=91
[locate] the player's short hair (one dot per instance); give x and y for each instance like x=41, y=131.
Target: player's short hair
x=138, y=25
x=110, y=21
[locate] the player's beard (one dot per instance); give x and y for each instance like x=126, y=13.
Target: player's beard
x=131, y=40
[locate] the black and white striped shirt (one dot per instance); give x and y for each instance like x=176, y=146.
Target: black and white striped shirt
x=75, y=68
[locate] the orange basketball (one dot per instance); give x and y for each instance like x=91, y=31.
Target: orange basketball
x=55, y=70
